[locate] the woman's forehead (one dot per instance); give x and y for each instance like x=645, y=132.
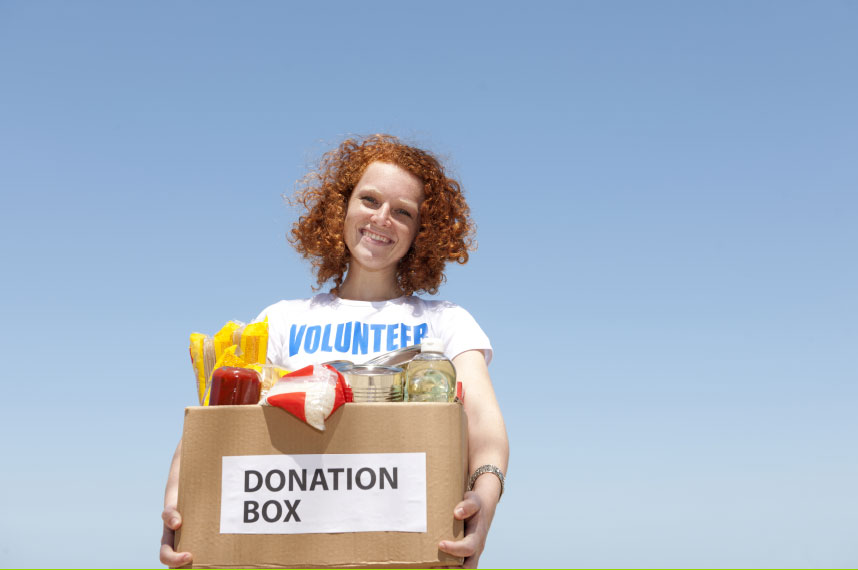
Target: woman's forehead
x=389, y=178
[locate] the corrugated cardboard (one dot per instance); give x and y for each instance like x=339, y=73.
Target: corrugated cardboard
x=438, y=429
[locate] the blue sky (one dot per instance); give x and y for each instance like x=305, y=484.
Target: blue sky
x=666, y=196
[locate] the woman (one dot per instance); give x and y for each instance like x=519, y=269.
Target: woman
x=382, y=220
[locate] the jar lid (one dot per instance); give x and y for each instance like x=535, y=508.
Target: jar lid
x=432, y=344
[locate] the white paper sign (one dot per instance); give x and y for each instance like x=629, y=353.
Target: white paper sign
x=298, y=494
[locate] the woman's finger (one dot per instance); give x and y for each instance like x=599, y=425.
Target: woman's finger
x=171, y=517
x=468, y=507
x=174, y=559
x=464, y=548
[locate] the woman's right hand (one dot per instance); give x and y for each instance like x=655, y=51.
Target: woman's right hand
x=169, y=557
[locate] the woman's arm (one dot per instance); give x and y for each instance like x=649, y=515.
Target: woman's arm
x=172, y=518
x=487, y=444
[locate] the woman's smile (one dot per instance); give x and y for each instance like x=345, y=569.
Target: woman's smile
x=376, y=237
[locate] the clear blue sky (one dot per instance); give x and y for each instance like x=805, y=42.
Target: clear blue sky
x=667, y=201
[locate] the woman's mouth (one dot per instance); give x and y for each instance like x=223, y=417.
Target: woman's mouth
x=376, y=238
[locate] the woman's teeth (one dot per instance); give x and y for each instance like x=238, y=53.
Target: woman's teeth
x=376, y=237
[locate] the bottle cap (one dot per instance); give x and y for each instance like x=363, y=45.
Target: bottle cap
x=432, y=344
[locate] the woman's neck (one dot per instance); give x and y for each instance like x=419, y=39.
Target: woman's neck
x=362, y=285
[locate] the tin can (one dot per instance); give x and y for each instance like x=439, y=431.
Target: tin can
x=340, y=365
x=375, y=383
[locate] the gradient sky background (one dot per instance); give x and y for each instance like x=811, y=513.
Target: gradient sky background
x=667, y=201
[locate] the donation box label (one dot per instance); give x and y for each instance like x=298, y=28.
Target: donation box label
x=298, y=494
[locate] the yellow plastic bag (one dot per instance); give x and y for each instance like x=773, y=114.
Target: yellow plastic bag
x=254, y=342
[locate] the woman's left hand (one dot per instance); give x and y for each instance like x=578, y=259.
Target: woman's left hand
x=477, y=519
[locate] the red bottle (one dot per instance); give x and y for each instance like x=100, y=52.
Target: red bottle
x=234, y=386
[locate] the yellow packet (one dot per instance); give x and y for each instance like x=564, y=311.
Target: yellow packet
x=223, y=337
x=254, y=342
x=230, y=357
x=198, y=363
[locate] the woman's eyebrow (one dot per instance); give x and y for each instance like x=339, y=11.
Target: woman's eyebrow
x=407, y=202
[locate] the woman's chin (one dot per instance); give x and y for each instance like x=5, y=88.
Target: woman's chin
x=374, y=264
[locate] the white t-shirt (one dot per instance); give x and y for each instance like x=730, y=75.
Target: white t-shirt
x=325, y=327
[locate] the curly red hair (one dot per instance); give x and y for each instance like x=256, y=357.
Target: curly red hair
x=445, y=232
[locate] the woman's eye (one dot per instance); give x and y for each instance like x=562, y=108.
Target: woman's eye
x=405, y=213
x=369, y=200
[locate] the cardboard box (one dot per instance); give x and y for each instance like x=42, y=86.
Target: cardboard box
x=258, y=488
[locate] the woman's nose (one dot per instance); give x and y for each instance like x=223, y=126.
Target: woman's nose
x=382, y=215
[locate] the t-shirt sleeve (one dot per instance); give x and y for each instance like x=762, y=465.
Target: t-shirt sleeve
x=460, y=332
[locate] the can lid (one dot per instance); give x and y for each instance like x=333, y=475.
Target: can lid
x=432, y=344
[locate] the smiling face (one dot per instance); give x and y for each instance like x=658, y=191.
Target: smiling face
x=382, y=218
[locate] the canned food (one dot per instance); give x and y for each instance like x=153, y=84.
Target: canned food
x=375, y=383
x=340, y=365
